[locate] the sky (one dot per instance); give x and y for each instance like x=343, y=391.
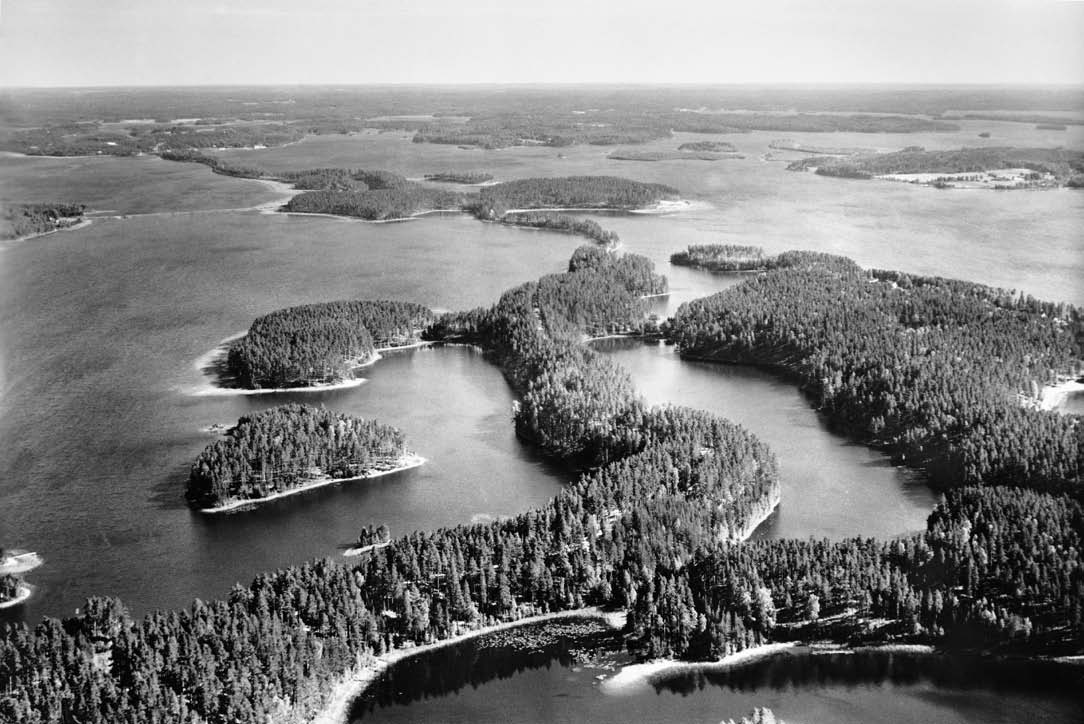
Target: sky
x=277, y=42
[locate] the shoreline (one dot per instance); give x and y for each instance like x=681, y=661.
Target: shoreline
x=754, y=523
x=284, y=188
x=406, y=461
x=637, y=676
x=18, y=561
x=354, y=552
x=355, y=681
x=81, y=224
x=210, y=389
x=1052, y=397
x=347, y=217
x=22, y=593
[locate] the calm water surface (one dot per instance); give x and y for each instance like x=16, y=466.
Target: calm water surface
x=101, y=412
x=473, y=683
x=830, y=487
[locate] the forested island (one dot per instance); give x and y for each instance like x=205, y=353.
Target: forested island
x=18, y=221
x=671, y=155
x=785, y=144
x=709, y=146
x=990, y=167
x=462, y=177
x=375, y=204
x=289, y=449
x=653, y=526
x=562, y=222
x=721, y=257
x=569, y=192
x=13, y=589
x=321, y=344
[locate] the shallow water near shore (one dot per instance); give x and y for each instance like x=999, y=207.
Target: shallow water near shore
x=473, y=682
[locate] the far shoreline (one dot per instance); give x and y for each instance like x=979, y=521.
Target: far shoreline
x=406, y=461
x=81, y=224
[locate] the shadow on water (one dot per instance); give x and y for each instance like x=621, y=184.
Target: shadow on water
x=805, y=668
x=462, y=680
x=475, y=662
x=831, y=485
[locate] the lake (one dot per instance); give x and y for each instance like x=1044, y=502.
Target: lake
x=478, y=681
x=102, y=404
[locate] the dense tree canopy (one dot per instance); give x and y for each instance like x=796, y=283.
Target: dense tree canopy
x=651, y=526
x=19, y=220
x=321, y=343
x=934, y=369
x=286, y=447
x=1060, y=163
x=593, y=192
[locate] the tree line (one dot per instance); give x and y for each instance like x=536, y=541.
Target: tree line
x=677, y=479
x=650, y=526
x=19, y=220
x=316, y=344
x=1059, y=162
x=595, y=192
x=562, y=222
x=286, y=447
x=938, y=371
x=460, y=177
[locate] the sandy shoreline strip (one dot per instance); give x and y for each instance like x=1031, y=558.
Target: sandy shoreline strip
x=81, y=224
x=355, y=682
x=19, y=562
x=1052, y=397
x=22, y=592
x=354, y=552
x=405, y=462
x=638, y=676
x=210, y=357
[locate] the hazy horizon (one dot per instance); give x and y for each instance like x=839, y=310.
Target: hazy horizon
x=112, y=43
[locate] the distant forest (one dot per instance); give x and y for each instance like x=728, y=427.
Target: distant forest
x=19, y=220
x=1061, y=163
x=155, y=120
x=594, y=192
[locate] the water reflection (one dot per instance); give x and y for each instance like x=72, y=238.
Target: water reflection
x=475, y=662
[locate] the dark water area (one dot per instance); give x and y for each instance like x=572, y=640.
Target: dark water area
x=469, y=683
x=103, y=406
x=831, y=487
x=1074, y=404
x=477, y=662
